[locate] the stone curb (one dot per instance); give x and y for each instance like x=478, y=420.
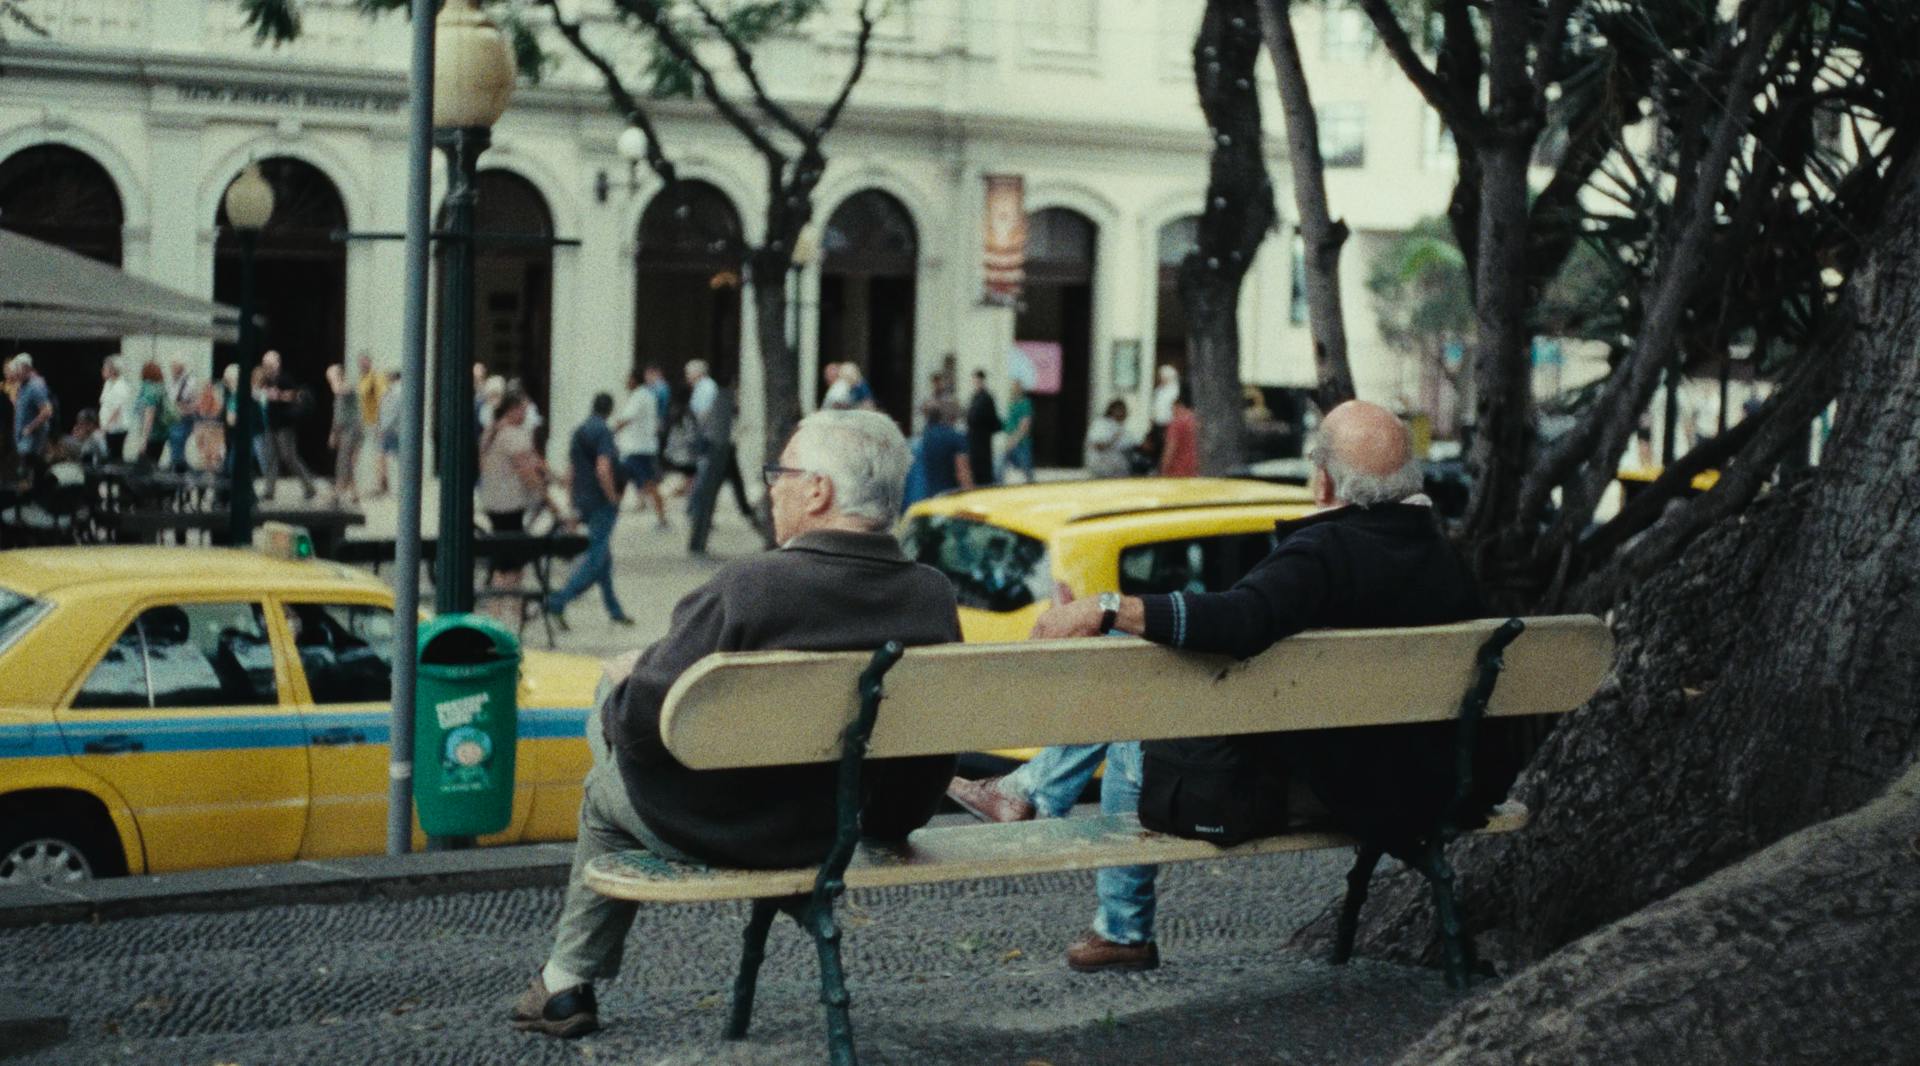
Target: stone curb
x=328, y=881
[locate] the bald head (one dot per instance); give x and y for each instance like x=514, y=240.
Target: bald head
x=1366, y=455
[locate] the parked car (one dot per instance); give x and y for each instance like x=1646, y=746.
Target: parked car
x=183, y=708
x=1011, y=552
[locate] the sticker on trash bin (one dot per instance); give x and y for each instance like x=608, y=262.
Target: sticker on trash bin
x=455, y=713
x=464, y=758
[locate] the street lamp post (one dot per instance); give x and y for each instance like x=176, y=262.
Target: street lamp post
x=249, y=203
x=472, y=83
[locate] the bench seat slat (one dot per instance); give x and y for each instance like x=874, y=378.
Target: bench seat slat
x=776, y=708
x=959, y=853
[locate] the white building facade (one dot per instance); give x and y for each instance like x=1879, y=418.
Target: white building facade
x=1091, y=102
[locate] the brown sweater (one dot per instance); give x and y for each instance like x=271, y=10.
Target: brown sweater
x=825, y=591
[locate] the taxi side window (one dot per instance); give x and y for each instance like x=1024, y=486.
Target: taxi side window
x=1198, y=564
x=186, y=655
x=346, y=650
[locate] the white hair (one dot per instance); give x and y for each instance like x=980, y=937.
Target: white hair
x=863, y=454
x=1363, y=489
x=23, y=361
x=696, y=366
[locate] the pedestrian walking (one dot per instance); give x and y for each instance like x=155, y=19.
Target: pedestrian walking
x=286, y=403
x=636, y=432
x=592, y=456
x=983, y=421
x=371, y=385
x=183, y=388
x=1109, y=445
x=116, y=408
x=346, y=434
x=1160, y=415
x=716, y=462
x=940, y=456
x=393, y=404
x=153, y=413
x=513, y=481
x=33, y=411
x=1019, y=430
x=207, y=447
x=1180, y=455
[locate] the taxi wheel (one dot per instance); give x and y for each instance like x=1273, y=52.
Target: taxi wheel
x=55, y=851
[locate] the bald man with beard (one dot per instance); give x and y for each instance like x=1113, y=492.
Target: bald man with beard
x=1371, y=556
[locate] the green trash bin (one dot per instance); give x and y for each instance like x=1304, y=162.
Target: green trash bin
x=465, y=725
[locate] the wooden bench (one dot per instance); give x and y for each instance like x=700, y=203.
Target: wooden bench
x=776, y=708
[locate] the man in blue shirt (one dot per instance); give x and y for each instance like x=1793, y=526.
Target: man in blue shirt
x=940, y=458
x=32, y=409
x=596, y=501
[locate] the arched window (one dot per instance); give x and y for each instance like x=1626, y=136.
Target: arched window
x=513, y=282
x=1057, y=310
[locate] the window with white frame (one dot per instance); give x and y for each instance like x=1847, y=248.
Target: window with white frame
x=1343, y=134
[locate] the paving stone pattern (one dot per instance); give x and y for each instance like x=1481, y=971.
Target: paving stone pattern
x=959, y=973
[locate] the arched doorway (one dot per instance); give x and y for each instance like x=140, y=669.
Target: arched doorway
x=1057, y=308
x=300, y=289
x=870, y=253
x=1177, y=238
x=687, y=283
x=60, y=195
x=512, y=326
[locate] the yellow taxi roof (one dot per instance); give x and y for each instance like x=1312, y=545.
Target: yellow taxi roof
x=1039, y=510
x=40, y=571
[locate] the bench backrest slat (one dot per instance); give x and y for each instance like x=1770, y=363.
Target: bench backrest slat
x=743, y=709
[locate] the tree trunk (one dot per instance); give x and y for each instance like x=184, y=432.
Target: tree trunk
x=1803, y=953
x=779, y=363
x=1322, y=235
x=1238, y=214
x=1764, y=682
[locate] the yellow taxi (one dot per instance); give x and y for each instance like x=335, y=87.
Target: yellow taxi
x=1013, y=551
x=180, y=708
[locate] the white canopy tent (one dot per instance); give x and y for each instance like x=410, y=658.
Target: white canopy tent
x=49, y=293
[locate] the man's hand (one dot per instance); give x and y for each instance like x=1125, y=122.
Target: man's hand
x=1080, y=618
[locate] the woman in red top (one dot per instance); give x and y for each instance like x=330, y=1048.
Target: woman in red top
x=1180, y=455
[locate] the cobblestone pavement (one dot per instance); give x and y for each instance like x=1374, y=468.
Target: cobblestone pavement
x=962, y=973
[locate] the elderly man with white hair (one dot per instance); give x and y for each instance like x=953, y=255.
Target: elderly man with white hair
x=838, y=583
x=1372, y=556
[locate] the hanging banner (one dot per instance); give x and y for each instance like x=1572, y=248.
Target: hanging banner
x=1006, y=239
x=1036, y=365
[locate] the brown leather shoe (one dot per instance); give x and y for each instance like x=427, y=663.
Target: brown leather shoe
x=984, y=800
x=568, y=1013
x=1093, y=953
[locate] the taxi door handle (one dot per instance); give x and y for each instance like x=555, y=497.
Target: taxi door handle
x=114, y=744
x=339, y=735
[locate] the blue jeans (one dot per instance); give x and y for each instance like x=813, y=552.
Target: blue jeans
x=177, y=435
x=1055, y=779
x=1126, y=892
x=1019, y=457
x=595, y=567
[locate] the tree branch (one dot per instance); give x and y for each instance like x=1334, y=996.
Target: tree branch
x=623, y=101
x=743, y=58
x=651, y=13
x=860, y=48
x=1431, y=86
x=1782, y=422
x=1547, y=51
x=1596, y=440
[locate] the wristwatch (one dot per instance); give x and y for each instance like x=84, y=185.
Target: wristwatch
x=1109, y=611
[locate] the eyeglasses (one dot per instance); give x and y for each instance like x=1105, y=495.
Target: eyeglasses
x=773, y=472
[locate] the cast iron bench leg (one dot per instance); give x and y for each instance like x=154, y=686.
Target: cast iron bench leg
x=1453, y=954
x=750, y=958
x=817, y=917
x=1366, y=858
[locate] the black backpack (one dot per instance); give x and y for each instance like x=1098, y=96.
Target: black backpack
x=1220, y=789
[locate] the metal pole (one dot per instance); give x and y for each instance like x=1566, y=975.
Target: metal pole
x=453, y=565
x=246, y=412
x=406, y=555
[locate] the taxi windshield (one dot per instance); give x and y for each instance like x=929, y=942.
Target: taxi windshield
x=992, y=569
x=17, y=615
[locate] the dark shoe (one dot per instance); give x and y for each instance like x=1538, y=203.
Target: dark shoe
x=567, y=1013
x=623, y=621
x=1093, y=953
x=559, y=617
x=984, y=800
